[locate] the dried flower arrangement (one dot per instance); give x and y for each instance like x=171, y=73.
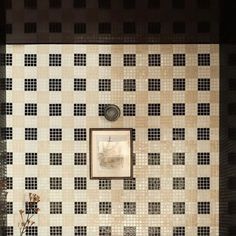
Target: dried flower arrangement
x=26, y=218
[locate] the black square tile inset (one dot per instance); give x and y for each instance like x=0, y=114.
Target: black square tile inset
x=54, y=84
x=154, y=59
x=9, y=207
x=178, y=207
x=5, y=59
x=104, y=59
x=55, y=207
x=8, y=230
x=179, y=158
x=204, y=59
x=179, y=60
x=6, y=133
x=79, y=59
x=178, y=84
x=31, y=159
x=178, y=109
x=203, y=84
x=101, y=108
x=203, y=158
x=129, y=85
x=154, y=208
x=55, y=134
x=129, y=208
x=178, y=183
x=55, y=27
x=104, y=28
x=80, y=183
x=54, y=59
x=203, y=231
x=154, y=84
x=80, y=28
x=179, y=231
x=105, y=231
x=30, y=84
x=178, y=133
x=203, y=207
x=153, y=158
x=55, y=230
x=30, y=133
x=30, y=60
x=79, y=109
x=80, y=158
x=10, y=183
x=203, y=109
x=129, y=231
x=9, y=158
x=80, y=84
x=80, y=207
x=154, y=184
x=104, y=85
x=31, y=231
x=154, y=134
x=80, y=134
x=105, y=208
x=30, y=27
x=203, y=183
x=129, y=109
x=129, y=60
x=80, y=230
x=129, y=184
x=31, y=183
x=154, y=231
x=104, y=184
x=55, y=159
x=6, y=108
x=154, y=109
x=55, y=183
x=55, y=109
x=203, y=134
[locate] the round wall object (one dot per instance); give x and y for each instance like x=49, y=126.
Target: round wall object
x=112, y=112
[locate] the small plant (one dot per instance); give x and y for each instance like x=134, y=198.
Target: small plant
x=26, y=218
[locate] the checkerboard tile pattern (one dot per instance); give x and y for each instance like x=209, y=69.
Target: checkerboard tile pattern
x=169, y=95
x=107, y=21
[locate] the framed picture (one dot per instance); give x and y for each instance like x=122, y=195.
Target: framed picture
x=110, y=153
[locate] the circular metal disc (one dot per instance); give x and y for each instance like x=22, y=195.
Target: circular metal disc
x=112, y=112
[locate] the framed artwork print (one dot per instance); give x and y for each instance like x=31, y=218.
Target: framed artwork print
x=110, y=153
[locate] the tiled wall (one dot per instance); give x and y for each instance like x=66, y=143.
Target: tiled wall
x=107, y=21
x=3, y=168
x=168, y=94
x=227, y=139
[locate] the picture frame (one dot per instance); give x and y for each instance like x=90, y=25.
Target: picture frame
x=110, y=152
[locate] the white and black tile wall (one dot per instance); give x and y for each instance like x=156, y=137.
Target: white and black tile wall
x=154, y=84
x=168, y=94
